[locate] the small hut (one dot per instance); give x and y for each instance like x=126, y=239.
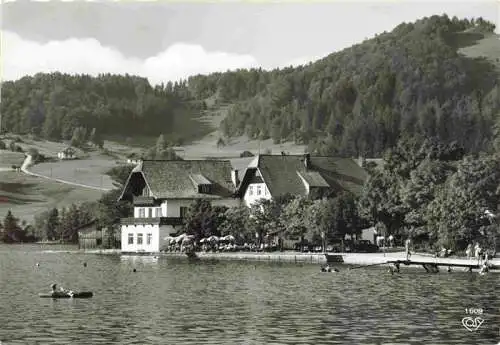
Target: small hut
x=88, y=236
x=67, y=153
x=92, y=237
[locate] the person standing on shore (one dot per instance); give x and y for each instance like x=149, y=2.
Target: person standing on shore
x=407, y=249
x=391, y=241
x=477, y=252
x=468, y=251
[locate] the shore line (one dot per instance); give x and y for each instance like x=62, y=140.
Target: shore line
x=359, y=259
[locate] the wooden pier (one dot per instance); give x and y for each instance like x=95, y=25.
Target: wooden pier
x=433, y=267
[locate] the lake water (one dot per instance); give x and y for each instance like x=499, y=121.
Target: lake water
x=177, y=302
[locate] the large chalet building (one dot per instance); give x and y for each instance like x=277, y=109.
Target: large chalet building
x=162, y=191
x=272, y=176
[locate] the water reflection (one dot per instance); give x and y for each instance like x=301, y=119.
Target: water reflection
x=139, y=259
x=176, y=302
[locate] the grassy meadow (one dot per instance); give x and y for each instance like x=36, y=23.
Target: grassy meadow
x=8, y=159
x=487, y=47
x=28, y=195
x=88, y=171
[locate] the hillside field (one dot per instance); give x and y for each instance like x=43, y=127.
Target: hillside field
x=26, y=195
x=8, y=159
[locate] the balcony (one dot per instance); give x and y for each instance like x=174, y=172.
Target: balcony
x=154, y=221
x=144, y=201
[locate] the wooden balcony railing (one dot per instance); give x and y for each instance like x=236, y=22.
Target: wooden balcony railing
x=155, y=221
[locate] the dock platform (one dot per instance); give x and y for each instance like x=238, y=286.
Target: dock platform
x=433, y=267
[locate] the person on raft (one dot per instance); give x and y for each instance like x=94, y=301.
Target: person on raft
x=61, y=290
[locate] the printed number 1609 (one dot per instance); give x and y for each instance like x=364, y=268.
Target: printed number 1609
x=472, y=311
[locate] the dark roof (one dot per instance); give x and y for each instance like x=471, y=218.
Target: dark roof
x=313, y=179
x=285, y=174
x=90, y=226
x=199, y=179
x=378, y=162
x=241, y=164
x=180, y=179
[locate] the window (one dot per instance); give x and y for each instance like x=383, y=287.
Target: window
x=150, y=212
x=149, y=237
x=130, y=238
x=250, y=190
x=139, y=239
x=142, y=213
x=204, y=188
x=183, y=211
x=266, y=192
x=259, y=190
x=158, y=212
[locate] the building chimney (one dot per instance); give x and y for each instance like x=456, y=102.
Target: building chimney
x=307, y=160
x=235, y=178
x=361, y=161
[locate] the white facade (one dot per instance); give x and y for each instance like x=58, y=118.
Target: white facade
x=65, y=155
x=147, y=238
x=369, y=234
x=133, y=161
x=256, y=192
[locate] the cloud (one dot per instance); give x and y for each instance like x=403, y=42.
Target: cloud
x=22, y=57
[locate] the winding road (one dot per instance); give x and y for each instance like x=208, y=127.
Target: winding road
x=27, y=163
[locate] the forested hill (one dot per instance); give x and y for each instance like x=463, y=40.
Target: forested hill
x=53, y=105
x=359, y=100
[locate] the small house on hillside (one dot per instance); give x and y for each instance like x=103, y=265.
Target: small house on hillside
x=162, y=191
x=67, y=153
x=134, y=161
x=134, y=158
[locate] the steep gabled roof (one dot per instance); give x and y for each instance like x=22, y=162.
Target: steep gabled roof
x=285, y=174
x=199, y=179
x=313, y=179
x=178, y=179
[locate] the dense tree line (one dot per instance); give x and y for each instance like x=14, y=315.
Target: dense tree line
x=434, y=194
x=80, y=107
x=292, y=217
x=11, y=231
x=63, y=224
x=359, y=101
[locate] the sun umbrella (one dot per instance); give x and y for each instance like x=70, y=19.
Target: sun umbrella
x=187, y=239
x=179, y=238
x=213, y=238
x=229, y=238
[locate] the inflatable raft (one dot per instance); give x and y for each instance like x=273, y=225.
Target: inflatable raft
x=83, y=294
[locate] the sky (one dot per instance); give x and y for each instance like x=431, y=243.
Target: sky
x=165, y=41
